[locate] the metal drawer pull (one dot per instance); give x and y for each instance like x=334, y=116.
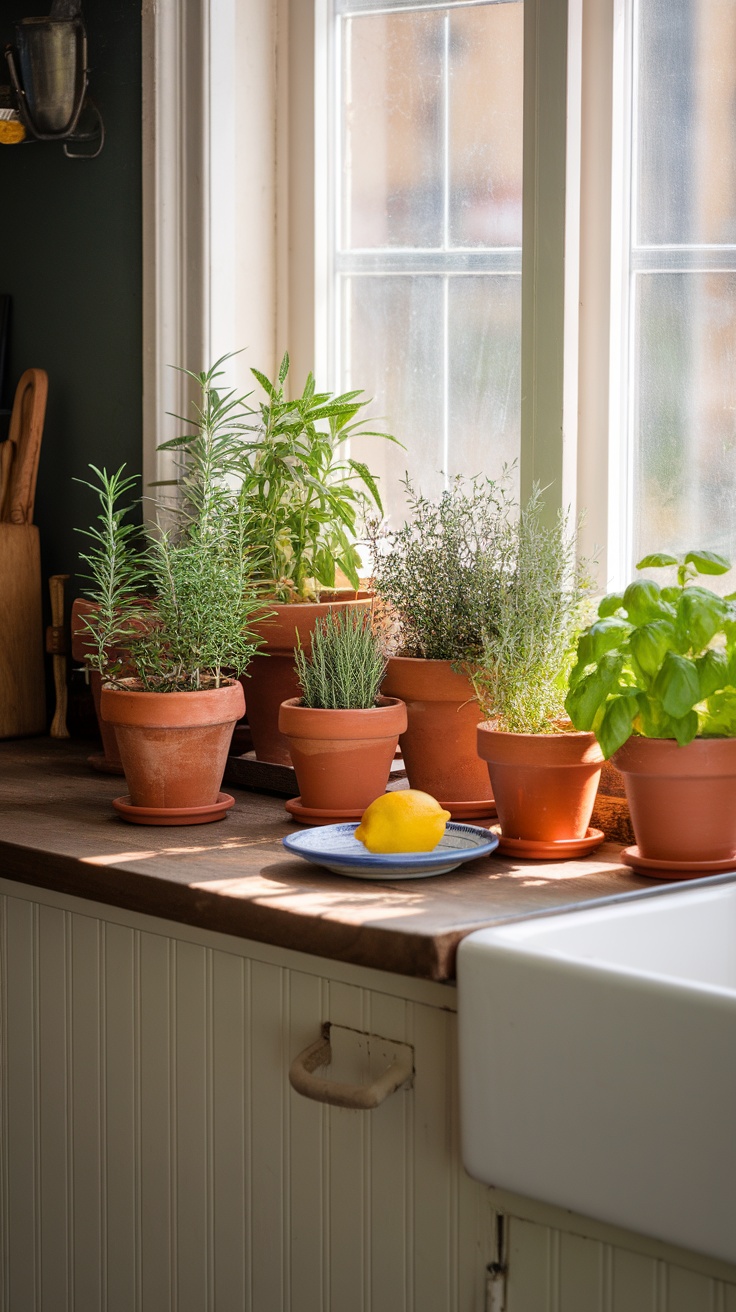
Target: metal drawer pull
x=358, y=1096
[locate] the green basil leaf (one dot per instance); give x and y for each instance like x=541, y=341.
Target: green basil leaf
x=713, y=672
x=650, y=644
x=643, y=602
x=657, y=561
x=677, y=685
x=604, y=635
x=653, y=720
x=719, y=718
x=585, y=699
x=700, y=614
x=617, y=724
x=671, y=595
x=612, y=602
x=707, y=562
x=685, y=728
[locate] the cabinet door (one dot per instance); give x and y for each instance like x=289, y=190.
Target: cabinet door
x=157, y=1159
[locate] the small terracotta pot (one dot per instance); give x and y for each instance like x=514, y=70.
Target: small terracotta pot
x=173, y=745
x=544, y=783
x=682, y=799
x=271, y=679
x=439, y=746
x=342, y=758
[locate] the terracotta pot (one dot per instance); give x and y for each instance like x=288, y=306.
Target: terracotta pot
x=544, y=784
x=342, y=758
x=271, y=679
x=173, y=745
x=439, y=746
x=682, y=799
x=109, y=762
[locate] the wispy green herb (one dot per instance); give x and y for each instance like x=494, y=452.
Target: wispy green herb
x=346, y=665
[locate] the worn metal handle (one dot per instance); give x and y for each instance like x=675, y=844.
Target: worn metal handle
x=362, y=1097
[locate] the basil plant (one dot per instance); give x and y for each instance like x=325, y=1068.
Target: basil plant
x=659, y=661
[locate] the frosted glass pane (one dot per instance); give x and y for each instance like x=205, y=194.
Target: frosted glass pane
x=685, y=130
x=685, y=413
x=395, y=335
x=485, y=383
x=392, y=134
x=485, y=125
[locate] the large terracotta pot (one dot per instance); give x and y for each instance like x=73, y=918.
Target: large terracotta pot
x=682, y=799
x=271, y=679
x=342, y=758
x=173, y=745
x=439, y=746
x=544, y=784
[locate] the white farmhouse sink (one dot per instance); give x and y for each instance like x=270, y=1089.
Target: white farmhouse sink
x=598, y=1062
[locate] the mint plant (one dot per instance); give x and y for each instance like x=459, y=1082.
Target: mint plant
x=659, y=661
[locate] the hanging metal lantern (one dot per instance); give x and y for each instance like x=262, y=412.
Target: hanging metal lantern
x=48, y=74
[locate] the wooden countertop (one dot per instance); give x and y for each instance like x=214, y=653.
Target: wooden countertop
x=58, y=830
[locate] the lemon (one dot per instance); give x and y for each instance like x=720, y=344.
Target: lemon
x=406, y=821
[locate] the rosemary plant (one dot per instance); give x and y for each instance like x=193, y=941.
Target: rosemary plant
x=197, y=574
x=443, y=574
x=347, y=663
x=527, y=654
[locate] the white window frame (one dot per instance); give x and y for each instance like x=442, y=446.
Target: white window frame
x=229, y=110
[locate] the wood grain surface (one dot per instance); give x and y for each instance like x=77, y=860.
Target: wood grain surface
x=58, y=830
x=22, y=680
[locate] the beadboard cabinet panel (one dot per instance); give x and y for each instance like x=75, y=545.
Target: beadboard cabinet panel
x=155, y=1158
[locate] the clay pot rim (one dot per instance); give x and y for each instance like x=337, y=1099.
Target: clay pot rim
x=579, y=746
x=664, y=756
x=388, y=719
x=199, y=707
x=417, y=679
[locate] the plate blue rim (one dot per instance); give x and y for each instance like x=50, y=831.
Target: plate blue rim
x=296, y=844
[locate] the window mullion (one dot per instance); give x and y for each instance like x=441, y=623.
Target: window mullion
x=550, y=249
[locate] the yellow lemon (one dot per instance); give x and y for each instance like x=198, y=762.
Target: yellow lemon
x=406, y=821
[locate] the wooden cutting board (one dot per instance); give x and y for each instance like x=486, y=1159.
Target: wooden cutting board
x=22, y=681
x=26, y=431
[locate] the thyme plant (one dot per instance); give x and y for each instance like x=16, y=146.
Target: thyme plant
x=346, y=665
x=527, y=653
x=443, y=574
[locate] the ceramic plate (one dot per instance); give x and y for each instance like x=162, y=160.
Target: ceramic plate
x=335, y=847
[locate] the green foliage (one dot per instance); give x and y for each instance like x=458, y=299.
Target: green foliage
x=347, y=663
x=198, y=573
x=527, y=653
x=443, y=574
x=306, y=502
x=660, y=662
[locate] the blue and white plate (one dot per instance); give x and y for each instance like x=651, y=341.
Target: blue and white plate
x=335, y=847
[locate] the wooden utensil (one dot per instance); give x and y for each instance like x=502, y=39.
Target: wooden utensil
x=7, y=451
x=26, y=431
x=56, y=644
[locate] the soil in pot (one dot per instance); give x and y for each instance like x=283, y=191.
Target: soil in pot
x=173, y=745
x=271, y=679
x=544, y=784
x=682, y=802
x=439, y=745
x=342, y=758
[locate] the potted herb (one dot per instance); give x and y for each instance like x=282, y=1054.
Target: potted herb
x=655, y=679
x=176, y=702
x=441, y=578
x=544, y=774
x=342, y=734
x=305, y=504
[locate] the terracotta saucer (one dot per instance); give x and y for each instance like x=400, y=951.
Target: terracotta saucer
x=173, y=815
x=631, y=856
x=536, y=849
x=99, y=762
x=312, y=815
x=471, y=810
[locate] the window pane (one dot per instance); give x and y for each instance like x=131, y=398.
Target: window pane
x=485, y=125
x=686, y=122
x=392, y=96
x=685, y=413
x=390, y=323
x=484, y=317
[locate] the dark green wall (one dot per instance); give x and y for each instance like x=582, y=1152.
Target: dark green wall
x=70, y=255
